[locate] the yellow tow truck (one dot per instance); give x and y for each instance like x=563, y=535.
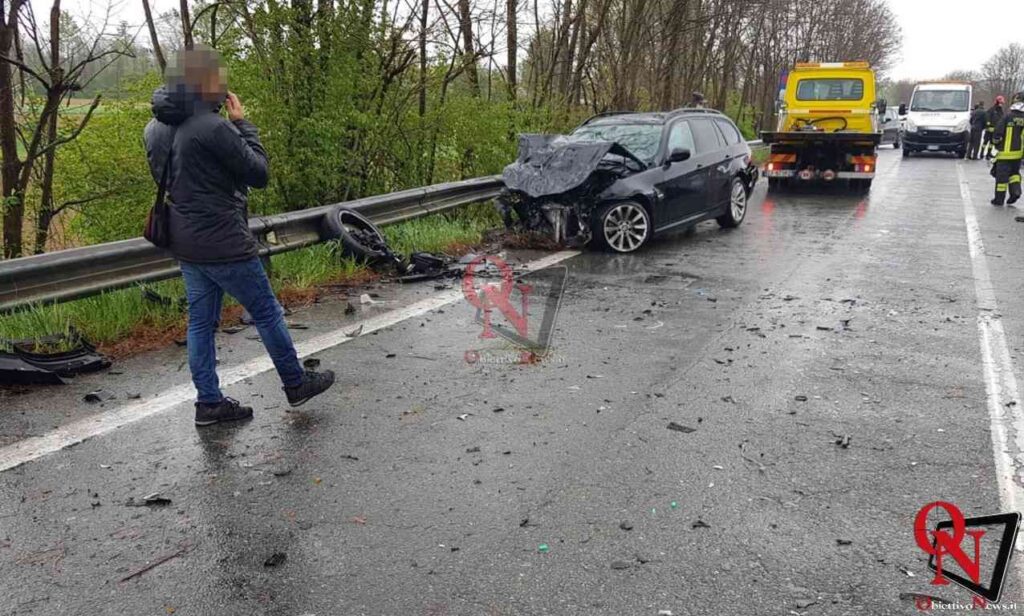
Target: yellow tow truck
x=829, y=126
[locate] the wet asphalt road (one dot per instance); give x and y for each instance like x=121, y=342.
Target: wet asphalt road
x=824, y=316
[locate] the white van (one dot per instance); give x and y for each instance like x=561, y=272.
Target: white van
x=938, y=118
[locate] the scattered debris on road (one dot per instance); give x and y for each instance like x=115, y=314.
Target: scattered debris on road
x=678, y=427
x=700, y=524
x=98, y=396
x=620, y=565
x=183, y=549
x=843, y=441
x=150, y=500
x=48, y=359
x=276, y=559
x=626, y=526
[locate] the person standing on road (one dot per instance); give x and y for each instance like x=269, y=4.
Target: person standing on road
x=992, y=117
x=1009, y=143
x=214, y=161
x=977, y=129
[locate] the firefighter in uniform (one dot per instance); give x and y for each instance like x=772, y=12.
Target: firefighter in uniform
x=992, y=117
x=1008, y=139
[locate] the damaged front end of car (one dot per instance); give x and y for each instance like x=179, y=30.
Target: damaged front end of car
x=556, y=182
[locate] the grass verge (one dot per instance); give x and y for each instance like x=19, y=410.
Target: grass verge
x=125, y=322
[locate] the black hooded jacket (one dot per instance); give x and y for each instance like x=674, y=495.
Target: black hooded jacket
x=215, y=163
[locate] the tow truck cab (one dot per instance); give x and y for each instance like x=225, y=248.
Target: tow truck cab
x=938, y=118
x=829, y=125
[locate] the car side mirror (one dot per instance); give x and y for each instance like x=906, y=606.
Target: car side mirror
x=903, y=109
x=678, y=155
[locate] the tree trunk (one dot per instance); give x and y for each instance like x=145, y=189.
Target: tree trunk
x=512, y=42
x=13, y=205
x=186, y=25
x=424, y=15
x=157, y=51
x=469, y=53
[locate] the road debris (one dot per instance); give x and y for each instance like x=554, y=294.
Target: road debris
x=620, y=565
x=700, y=524
x=276, y=559
x=678, y=427
x=626, y=526
x=844, y=542
x=151, y=500
x=800, y=398
x=311, y=363
x=543, y=548
x=843, y=441
x=355, y=332
x=183, y=549
x=366, y=299
x=99, y=395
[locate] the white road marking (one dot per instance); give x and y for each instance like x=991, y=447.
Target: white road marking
x=1004, y=409
x=73, y=433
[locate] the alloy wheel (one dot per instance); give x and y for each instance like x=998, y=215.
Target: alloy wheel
x=626, y=227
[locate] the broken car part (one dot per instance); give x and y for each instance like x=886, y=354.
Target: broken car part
x=26, y=362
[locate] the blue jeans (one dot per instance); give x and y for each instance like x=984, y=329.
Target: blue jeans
x=246, y=281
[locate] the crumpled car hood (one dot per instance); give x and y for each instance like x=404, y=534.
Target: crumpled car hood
x=554, y=164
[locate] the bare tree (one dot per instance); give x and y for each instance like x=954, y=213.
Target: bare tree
x=154, y=39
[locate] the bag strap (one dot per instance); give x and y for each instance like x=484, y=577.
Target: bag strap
x=161, y=190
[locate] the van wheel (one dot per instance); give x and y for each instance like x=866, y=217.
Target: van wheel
x=621, y=227
x=737, y=206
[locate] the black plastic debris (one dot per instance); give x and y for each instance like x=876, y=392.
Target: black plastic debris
x=30, y=362
x=16, y=371
x=275, y=560
x=150, y=295
x=311, y=363
x=98, y=396
x=680, y=428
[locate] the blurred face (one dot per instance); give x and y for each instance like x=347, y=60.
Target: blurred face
x=201, y=73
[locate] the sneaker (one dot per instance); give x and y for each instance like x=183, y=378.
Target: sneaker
x=313, y=384
x=227, y=409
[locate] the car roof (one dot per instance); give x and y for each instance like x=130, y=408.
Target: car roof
x=649, y=117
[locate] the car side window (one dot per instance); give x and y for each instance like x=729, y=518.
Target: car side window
x=705, y=135
x=680, y=137
x=732, y=136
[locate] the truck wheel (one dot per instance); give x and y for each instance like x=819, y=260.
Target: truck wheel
x=622, y=226
x=737, y=206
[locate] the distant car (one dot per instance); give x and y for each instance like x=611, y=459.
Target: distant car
x=890, y=123
x=621, y=178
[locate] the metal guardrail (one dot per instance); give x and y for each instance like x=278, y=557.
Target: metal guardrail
x=80, y=272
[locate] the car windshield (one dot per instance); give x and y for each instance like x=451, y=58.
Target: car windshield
x=640, y=139
x=940, y=100
x=830, y=90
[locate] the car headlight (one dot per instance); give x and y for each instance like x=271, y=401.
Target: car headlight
x=963, y=126
x=911, y=127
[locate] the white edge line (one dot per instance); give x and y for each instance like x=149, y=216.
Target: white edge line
x=76, y=432
x=1005, y=413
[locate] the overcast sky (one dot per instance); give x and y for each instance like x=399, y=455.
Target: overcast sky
x=939, y=36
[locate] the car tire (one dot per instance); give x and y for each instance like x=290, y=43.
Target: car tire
x=737, y=211
x=358, y=237
x=622, y=226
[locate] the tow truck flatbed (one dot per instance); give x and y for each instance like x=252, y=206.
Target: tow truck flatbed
x=806, y=137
